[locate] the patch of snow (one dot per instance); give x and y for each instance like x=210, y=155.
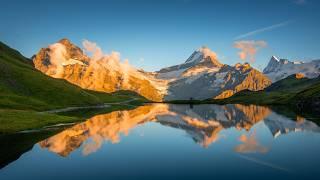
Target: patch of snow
x=297, y=62
x=171, y=74
x=160, y=84
x=191, y=79
x=220, y=77
x=196, y=56
x=195, y=71
x=275, y=58
x=72, y=62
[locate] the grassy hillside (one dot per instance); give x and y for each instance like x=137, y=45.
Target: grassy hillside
x=301, y=93
x=292, y=84
x=24, y=91
x=309, y=98
x=23, y=87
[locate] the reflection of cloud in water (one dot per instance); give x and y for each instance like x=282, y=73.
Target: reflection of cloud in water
x=250, y=144
x=203, y=124
x=93, y=145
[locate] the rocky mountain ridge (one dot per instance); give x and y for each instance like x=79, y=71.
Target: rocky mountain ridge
x=202, y=76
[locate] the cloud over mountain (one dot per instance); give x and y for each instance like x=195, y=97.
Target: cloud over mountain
x=248, y=49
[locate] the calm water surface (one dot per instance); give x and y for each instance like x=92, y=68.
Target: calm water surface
x=170, y=142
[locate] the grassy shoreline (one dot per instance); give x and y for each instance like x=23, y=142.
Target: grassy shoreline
x=13, y=121
x=25, y=92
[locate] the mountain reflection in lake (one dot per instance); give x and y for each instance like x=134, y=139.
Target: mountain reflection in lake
x=202, y=123
x=168, y=138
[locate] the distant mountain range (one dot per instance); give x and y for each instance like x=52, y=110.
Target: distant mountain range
x=278, y=69
x=201, y=76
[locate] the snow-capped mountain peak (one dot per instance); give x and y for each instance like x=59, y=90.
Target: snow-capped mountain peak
x=278, y=69
x=275, y=58
x=203, y=57
x=272, y=65
x=196, y=56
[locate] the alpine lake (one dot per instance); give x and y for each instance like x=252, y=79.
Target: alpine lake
x=167, y=141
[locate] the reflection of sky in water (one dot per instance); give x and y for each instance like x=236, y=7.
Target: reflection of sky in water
x=143, y=148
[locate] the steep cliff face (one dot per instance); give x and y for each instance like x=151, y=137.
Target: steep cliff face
x=201, y=76
x=107, y=74
x=245, y=77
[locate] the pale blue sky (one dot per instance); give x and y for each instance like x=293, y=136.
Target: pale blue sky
x=156, y=34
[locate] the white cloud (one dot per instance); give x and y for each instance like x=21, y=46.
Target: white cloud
x=57, y=58
x=249, y=49
x=111, y=61
x=93, y=48
x=208, y=53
